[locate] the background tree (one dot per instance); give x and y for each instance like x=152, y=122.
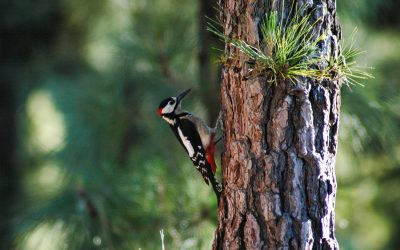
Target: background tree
x=369, y=131
x=16, y=33
x=280, y=141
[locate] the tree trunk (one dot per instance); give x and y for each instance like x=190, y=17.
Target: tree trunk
x=8, y=171
x=279, y=184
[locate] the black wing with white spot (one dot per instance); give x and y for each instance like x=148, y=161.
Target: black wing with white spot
x=189, y=138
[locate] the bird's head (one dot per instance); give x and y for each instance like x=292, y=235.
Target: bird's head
x=171, y=105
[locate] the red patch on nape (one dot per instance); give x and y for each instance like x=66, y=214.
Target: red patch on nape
x=159, y=111
x=210, y=150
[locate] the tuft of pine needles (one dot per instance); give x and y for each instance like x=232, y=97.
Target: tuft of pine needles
x=346, y=65
x=289, y=49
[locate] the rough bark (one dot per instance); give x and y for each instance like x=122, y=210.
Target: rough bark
x=279, y=184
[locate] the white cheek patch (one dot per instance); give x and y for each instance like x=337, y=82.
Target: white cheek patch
x=186, y=142
x=169, y=108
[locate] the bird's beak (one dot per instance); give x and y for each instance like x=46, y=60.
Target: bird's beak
x=182, y=95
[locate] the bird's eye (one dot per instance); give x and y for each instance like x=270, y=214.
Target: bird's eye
x=171, y=102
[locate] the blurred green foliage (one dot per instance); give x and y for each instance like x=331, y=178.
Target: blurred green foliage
x=97, y=169
x=368, y=162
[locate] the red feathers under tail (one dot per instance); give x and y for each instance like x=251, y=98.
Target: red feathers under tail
x=210, y=150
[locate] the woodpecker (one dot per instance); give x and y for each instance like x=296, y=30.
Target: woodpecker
x=194, y=135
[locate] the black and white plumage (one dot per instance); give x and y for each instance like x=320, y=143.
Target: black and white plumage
x=194, y=135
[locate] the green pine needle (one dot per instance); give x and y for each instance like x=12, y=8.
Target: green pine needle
x=290, y=50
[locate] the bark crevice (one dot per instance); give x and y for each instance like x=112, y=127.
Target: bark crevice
x=280, y=145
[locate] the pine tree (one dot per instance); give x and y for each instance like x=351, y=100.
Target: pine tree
x=279, y=183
